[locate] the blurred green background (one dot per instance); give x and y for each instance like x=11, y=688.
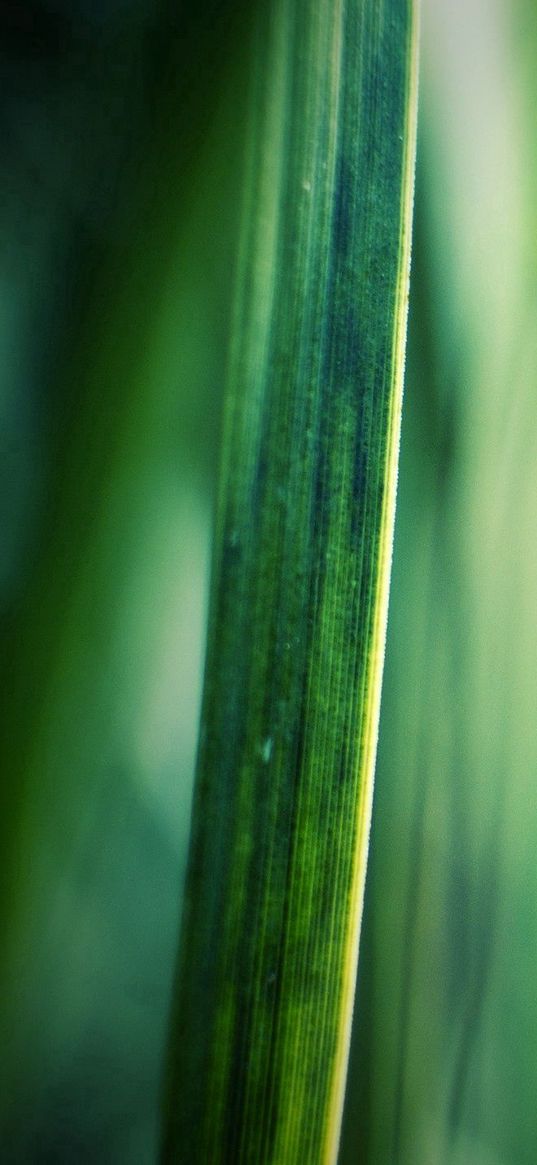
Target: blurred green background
x=122, y=125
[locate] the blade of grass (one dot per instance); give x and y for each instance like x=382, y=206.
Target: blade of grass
x=300, y=581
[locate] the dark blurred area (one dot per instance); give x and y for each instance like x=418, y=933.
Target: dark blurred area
x=121, y=126
x=105, y=108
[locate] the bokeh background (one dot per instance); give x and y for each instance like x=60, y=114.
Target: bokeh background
x=122, y=126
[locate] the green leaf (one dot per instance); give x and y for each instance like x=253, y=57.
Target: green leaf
x=300, y=583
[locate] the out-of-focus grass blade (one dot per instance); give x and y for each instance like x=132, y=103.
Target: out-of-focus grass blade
x=303, y=544
x=101, y=620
